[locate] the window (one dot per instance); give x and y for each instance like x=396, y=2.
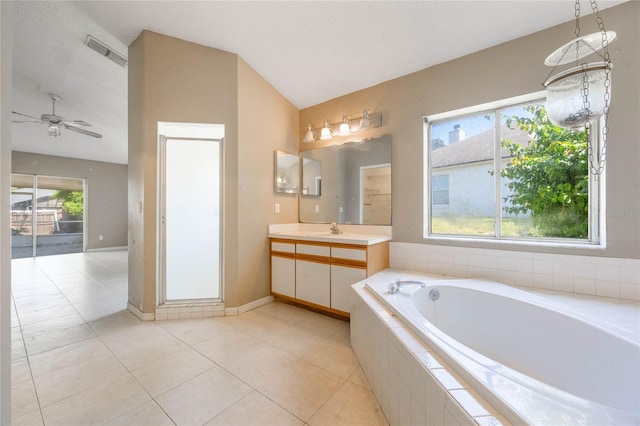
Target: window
x=503, y=171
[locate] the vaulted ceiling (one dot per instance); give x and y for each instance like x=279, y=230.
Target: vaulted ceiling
x=310, y=51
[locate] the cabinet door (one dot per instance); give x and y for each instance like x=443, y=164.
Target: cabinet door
x=312, y=282
x=283, y=276
x=342, y=277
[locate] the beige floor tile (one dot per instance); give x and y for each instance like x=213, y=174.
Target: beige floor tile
x=67, y=381
x=148, y=414
x=20, y=371
x=118, y=321
x=51, y=325
x=33, y=418
x=97, y=405
x=334, y=356
x=46, y=362
x=202, y=398
x=255, y=409
x=194, y=331
x=351, y=405
x=45, y=314
x=23, y=399
x=298, y=386
x=58, y=338
x=358, y=378
x=227, y=345
x=145, y=345
x=169, y=372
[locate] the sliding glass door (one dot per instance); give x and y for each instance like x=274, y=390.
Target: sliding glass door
x=47, y=215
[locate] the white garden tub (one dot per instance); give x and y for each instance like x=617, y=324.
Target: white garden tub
x=542, y=362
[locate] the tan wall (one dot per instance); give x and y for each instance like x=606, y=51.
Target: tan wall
x=106, y=192
x=266, y=121
x=177, y=81
x=507, y=70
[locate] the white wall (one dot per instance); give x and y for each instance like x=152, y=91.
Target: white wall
x=5, y=233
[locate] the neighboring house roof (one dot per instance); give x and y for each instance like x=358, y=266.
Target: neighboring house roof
x=476, y=148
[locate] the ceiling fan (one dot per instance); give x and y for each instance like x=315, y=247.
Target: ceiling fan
x=55, y=122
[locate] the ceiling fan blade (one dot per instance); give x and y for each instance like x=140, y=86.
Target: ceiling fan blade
x=28, y=116
x=77, y=123
x=27, y=121
x=83, y=131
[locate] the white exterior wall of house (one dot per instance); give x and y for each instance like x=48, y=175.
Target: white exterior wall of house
x=470, y=190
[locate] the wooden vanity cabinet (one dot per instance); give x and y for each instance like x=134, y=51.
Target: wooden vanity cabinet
x=320, y=274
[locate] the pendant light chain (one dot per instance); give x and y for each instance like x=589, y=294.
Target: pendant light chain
x=596, y=160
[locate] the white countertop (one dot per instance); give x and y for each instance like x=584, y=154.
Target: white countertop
x=351, y=234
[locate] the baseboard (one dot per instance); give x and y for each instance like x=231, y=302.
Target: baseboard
x=94, y=250
x=149, y=316
x=249, y=306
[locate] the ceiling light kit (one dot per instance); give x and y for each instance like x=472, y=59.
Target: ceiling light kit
x=582, y=93
x=55, y=122
x=347, y=126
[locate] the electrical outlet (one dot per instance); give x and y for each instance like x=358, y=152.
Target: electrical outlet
x=101, y=237
x=277, y=207
x=317, y=208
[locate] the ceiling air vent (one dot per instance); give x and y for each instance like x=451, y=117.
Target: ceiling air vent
x=105, y=50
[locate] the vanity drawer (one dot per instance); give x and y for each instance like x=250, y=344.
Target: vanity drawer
x=349, y=253
x=283, y=247
x=314, y=250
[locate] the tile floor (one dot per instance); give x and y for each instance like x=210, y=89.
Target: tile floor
x=79, y=358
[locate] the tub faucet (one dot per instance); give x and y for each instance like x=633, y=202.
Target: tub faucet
x=334, y=228
x=395, y=287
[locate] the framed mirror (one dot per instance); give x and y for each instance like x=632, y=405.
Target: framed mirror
x=355, y=183
x=311, y=176
x=286, y=172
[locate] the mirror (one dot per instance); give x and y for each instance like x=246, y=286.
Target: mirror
x=287, y=175
x=354, y=183
x=311, y=176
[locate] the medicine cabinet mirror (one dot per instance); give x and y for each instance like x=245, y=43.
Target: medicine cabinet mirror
x=311, y=177
x=354, y=183
x=287, y=174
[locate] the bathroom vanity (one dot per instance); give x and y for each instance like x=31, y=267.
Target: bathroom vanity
x=316, y=268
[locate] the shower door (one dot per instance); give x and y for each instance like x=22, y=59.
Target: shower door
x=190, y=219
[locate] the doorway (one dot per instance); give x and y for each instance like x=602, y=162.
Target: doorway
x=375, y=194
x=190, y=219
x=47, y=215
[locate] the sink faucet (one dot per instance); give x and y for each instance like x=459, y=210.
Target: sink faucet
x=395, y=287
x=334, y=228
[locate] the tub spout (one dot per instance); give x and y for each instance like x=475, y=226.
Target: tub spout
x=395, y=287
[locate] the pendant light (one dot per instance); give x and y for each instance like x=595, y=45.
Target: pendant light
x=582, y=93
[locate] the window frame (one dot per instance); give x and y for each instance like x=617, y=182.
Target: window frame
x=597, y=184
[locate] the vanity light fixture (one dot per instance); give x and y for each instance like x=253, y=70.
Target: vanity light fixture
x=347, y=126
x=580, y=94
x=309, y=136
x=345, y=129
x=325, y=132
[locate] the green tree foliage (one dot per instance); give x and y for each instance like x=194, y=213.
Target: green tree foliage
x=549, y=178
x=72, y=202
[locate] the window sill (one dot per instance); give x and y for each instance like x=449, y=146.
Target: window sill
x=519, y=243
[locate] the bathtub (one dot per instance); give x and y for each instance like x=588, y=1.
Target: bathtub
x=536, y=361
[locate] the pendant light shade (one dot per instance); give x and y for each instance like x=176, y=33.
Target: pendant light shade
x=568, y=105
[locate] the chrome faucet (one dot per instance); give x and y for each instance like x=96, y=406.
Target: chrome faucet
x=334, y=228
x=395, y=287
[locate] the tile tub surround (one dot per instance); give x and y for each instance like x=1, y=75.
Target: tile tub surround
x=411, y=383
x=582, y=275
x=386, y=348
